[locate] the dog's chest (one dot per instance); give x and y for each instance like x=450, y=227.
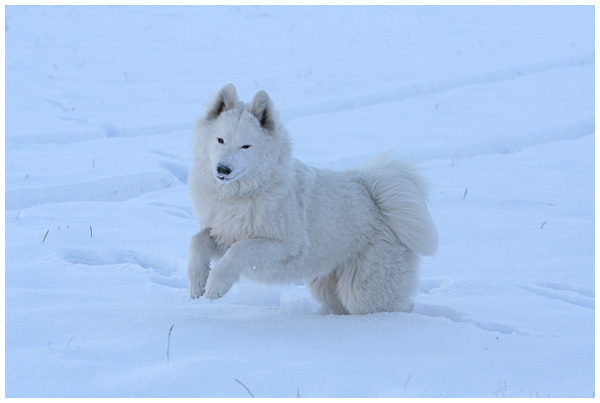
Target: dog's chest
x=231, y=223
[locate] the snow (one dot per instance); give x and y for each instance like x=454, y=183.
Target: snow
x=495, y=104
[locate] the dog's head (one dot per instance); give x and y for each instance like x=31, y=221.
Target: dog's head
x=241, y=141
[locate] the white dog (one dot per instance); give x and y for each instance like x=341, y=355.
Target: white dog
x=353, y=236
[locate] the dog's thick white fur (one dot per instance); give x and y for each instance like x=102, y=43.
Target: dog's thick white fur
x=353, y=236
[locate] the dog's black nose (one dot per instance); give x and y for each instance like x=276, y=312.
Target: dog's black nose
x=223, y=169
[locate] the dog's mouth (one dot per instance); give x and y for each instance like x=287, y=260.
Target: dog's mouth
x=224, y=179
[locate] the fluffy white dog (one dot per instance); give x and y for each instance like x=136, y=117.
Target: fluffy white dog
x=353, y=236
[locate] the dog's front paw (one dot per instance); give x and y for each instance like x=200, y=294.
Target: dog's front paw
x=219, y=282
x=197, y=275
x=196, y=290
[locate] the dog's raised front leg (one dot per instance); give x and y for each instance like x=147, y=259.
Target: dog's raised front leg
x=267, y=258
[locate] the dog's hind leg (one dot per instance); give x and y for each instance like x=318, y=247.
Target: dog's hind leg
x=324, y=290
x=382, y=279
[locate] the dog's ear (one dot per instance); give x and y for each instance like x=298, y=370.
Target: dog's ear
x=262, y=107
x=222, y=101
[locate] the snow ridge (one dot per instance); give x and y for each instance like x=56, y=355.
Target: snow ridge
x=434, y=87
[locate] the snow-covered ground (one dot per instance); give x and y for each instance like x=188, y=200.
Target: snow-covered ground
x=495, y=104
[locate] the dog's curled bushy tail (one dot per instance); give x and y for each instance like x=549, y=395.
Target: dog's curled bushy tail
x=401, y=195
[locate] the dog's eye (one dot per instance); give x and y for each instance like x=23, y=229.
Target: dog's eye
x=220, y=140
x=245, y=147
